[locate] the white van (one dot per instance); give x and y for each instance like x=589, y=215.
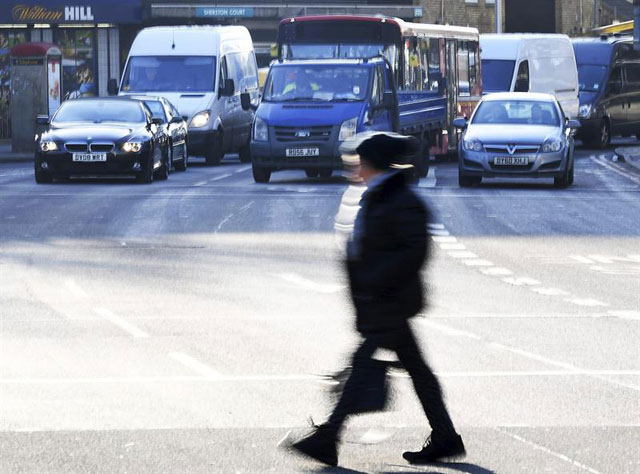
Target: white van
x=531, y=63
x=201, y=70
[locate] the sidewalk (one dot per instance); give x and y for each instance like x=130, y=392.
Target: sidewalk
x=630, y=154
x=8, y=156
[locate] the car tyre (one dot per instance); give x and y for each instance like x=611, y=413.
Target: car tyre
x=311, y=173
x=423, y=157
x=214, y=155
x=260, y=174
x=465, y=181
x=164, y=170
x=325, y=173
x=43, y=177
x=183, y=163
x=146, y=175
x=563, y=181
x=603, y=137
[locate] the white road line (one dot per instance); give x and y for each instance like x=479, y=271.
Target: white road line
x=431, y=225
x=430, y=181
x=242, y=169
x=200, y=183
x=521, y=281
x=548, y=451
x=444, y=238
x=496, y=271
x=581, y=259
x=625, y=314
x=75, y=289
x=449, y=330
x=441, y=232
x=121, y=323
x=305, y=283
x=550, y=291
x=223, y=222
x=452, y=246
x=462, y=254
x=478, y=262
x=195, y=365
x=222, y=176
x=601, y=160
x=591, y=302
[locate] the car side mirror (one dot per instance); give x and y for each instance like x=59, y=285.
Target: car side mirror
x=112, y=87
x=186, y=118
x=176, y=119
x=245, y=101
x=388, y=100
x=157, y=121
x=573, y=124
x=42, y=120
x=229, y=88
x=460, y=123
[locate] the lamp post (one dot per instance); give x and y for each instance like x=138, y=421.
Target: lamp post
x=499, y=15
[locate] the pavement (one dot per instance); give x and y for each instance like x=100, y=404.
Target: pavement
x=182, y=326
x=7, y=155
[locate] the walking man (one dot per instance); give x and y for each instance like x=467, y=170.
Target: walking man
x=384, y=261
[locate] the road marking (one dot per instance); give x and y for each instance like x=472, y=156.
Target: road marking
x=625, y=314
x=496, y=271
x=200, y=183
x=195, y=365
x=450, y=330
x=521, y=281
x=121, y=323
x=462, y=254
x=601, y=160
x=581, y=259
x=430, y=181
x=453, y=246
x=444, y=238
x=478, y=262
x=223, y=222
x=586, y=302
x=242, y=169
x=548, y=451
x=438, y=232
x=75, y=289
x=307, y=284
x=435, y=226
x=550, y=291
x=222, y=176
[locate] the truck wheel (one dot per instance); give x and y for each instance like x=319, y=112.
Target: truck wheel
x=423, y=157
x=214, y=154
x=261, y=175
x=325, y=173
x=245, y=153
x=311, y=173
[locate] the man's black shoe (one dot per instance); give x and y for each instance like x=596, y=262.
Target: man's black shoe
x=320, y=445
x=437, y=449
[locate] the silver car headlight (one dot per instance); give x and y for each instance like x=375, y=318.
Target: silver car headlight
x=200, y=119
x=472, y=145
x=132, y=147
x=584, y=111
x=260, y=130
x=552, y=145
x=48, y=145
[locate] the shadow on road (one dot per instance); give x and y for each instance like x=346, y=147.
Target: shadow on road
x=405, y=469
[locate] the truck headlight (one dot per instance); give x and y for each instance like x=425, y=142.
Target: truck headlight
x=200, y=119
x=552, y=145
x=584, y=111
x=472, y=145
x=132, y=147
x=48, y=145
x=260, y=130
x=348, y=129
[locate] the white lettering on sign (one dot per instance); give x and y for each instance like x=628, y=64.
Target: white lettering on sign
x=78, y=13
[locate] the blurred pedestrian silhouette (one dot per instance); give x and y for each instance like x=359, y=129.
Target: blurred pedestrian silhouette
x=384, y=259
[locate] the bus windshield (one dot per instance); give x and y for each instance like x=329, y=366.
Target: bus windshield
x=338, y=51
x=318, y=82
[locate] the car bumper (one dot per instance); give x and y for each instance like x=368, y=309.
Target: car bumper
x=541, y=165
x=273, y=154
x=117, y=163
x=200, y=141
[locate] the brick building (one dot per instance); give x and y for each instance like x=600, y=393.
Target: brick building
x=572, y=17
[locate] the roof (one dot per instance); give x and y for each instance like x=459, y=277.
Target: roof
x=35, y=49
x=535, y=96
x=328, y=61
x=611, y=39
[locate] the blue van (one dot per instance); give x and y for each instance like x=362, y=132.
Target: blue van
x=609, y=88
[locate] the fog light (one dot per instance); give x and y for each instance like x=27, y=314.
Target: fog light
x=44, y=165
x=136, y=166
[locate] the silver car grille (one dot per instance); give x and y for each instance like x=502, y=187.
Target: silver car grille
x=512, y=149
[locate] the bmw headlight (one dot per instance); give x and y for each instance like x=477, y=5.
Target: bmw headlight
x=552, y=145
x=200, y=119
x=584, y=111
x=472, y=145
x=348, y=129
x=48, y=145
x=132, y=147
x=260, y=130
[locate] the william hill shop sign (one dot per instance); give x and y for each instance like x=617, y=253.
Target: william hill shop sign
x=113, y=11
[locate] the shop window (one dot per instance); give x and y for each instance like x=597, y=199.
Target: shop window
x=78, y=68
x=8, y=39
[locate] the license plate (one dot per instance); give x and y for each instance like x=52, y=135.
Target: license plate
x=511, y=160
x=302, y=152
x=89, y=157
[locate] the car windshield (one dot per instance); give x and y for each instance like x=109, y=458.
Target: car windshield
x=317, y=82
x=514, y=112
x=497, y=74
x=156, y=109
x=591, y=76
x=170, y=74
x=98, y=111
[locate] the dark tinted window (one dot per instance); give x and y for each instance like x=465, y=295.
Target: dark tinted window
x=614, y=86
x=522, y=79
x=633, y=77
x=497, y=74
x=156, y=109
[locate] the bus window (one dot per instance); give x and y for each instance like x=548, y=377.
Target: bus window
x=415, y=71
x=473, y=65
x=463, y=68
x=435, y=72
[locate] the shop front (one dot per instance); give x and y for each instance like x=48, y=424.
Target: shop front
x=87, y=32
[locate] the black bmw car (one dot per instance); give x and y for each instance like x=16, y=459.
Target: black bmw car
x=100, y=137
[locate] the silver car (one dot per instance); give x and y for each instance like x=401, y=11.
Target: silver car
x=518, y=135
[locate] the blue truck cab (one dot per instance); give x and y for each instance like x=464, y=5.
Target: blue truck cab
x=309, y=107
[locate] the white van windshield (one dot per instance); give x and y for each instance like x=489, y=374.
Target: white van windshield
x=170, y=74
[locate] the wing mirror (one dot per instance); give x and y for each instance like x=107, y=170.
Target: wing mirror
x=245, y=102
x=388, y=100
x=573, y=124
x=460, y=123
x=112, y=87
x=157, y=121
x=42, y=120
x=176, y=119
x=229, y=88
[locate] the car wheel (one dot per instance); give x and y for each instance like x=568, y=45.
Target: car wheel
x=146, y=175
x=260, y=174
x=311, y=173
x=563, y=181
x=214, y=155
x=42, y=177
x=570, y=181
x=182, y=164
x=325, y=173
x=165, y=169
x=465, y=181
x=603, y=138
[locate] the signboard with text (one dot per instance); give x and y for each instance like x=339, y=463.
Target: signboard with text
x=84, y=11
x=224, y=12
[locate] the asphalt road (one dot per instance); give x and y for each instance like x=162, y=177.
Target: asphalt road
x=181, y=327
